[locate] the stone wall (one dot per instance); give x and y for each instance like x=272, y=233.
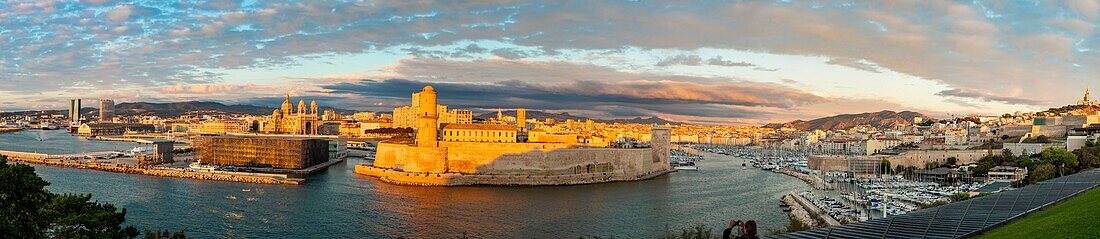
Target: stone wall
x=916, y=158
x=457, y=179
x=919, y=157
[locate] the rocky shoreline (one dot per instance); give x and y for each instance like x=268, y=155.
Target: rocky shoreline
x=164, y=172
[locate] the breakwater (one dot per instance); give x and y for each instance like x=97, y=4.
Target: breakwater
x=44, y=159
x=816, y=182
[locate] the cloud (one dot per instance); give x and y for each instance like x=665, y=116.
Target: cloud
x=960, y=93
x=120, y=13
x=998, y=47
x=687, y=60
x=854, y=64
x=502, y=83
x=1087, y=8
x=718, y=61
x=676, y=98
x=205, y=88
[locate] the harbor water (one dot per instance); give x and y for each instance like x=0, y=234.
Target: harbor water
x=338, y=203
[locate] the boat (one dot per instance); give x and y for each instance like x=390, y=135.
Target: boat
x=246, y=190
x=231, y=197
x=197, y=165
x=690, y=166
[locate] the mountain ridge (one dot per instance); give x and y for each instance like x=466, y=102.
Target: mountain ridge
x=880, y=119
x=542, y=115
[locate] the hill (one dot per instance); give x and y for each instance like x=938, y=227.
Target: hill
x=174, y=109
x=534, y=114
x=881, y=119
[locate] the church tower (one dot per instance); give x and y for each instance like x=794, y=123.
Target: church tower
x=427, y=130
x=313, y=108
x=1088, y=98
x=301, y=107
x=287, y=108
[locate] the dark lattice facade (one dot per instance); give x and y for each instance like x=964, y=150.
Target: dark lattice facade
x=275, y=152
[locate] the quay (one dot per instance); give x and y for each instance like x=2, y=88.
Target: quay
x=9, y=130
x=813, y=213
x=160, y=171
x=816, y=182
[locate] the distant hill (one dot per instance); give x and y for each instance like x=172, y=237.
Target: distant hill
x=540, y=115
x=881, y=119
x=177, y=108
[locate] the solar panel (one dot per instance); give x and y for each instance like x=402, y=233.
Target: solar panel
x=965, y=218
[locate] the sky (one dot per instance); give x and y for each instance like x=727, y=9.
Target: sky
x=707, y=62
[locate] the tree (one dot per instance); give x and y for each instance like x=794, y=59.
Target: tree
x=1042, y=172
x=952, y=161
x=1059, y=158
x=885, y=166
x=22, y=198
x=27, y=210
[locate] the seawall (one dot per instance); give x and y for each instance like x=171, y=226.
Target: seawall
x=458, y=179
x=43, y=159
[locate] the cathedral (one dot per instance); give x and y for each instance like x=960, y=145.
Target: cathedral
x=286, y=120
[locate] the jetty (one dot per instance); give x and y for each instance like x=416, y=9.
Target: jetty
x=160, y=171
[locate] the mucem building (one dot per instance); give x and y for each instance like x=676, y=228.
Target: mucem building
x=275, y=152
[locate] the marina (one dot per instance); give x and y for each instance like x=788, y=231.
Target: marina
x=843, y=197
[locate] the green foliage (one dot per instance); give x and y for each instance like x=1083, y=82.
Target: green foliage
x=23, y=198
x=1060, y=158
x=952, y=161
x=1042, y=172
x=931, y=165
x=27, y=210
x=696, y=232
x=1041, y=139
x=1075, y=218
x=884, y=167
x=959, y=197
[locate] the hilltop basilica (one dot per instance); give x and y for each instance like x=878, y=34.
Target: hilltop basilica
x=1087, y=101
x=288, y=121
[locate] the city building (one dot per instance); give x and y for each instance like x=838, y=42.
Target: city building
x=264, y=151
x=1006, y=174
x=363, y=116
x=74, y=112
x=406, y=116
x=106, y=129
x=223, y=127
x=106, y=110
x=472, y=160
x=286, y=120
x=480, y=133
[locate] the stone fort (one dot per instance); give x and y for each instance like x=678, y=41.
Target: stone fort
x=429, y=161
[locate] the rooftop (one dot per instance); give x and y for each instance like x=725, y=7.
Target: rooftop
x=500, y=127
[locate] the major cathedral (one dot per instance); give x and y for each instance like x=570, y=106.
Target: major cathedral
x=286, y=120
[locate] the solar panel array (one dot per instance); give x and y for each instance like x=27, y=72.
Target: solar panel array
x=966, y=218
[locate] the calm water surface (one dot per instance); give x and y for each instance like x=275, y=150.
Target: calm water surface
x=338, y=203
